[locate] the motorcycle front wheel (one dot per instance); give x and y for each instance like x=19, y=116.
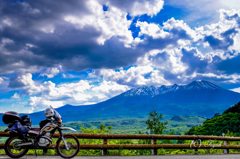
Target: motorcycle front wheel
x=72, y=143
x=11, y=148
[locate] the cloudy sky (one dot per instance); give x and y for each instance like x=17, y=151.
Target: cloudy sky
x=81, y=52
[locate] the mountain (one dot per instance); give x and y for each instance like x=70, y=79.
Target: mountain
x=200, y=98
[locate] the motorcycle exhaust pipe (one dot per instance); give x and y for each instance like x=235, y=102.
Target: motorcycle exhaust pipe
x=25, y=144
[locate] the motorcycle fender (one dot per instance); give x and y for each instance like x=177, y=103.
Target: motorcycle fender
x=68, y=128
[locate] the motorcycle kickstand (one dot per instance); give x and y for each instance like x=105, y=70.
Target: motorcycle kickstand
x=45, y=151
x=35, y=149
x=35, y=152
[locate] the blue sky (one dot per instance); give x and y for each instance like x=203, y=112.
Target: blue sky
x=84, y=52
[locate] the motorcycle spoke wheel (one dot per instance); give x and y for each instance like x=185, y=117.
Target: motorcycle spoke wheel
x=11, y=148
x=73, y=145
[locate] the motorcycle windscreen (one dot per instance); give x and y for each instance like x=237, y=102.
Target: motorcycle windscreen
x=57, y=114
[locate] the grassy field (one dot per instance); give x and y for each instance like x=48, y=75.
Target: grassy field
x=178, y=124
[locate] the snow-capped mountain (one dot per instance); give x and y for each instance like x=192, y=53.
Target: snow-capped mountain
x=153, y=91
x=143, y=90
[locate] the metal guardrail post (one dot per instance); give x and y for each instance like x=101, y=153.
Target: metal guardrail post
x=104, y=151
x=226, y=151
x=154, y=151
x=196, y=149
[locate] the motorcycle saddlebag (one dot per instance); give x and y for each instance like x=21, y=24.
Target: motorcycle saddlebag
x=10, y=117
x=18, y=128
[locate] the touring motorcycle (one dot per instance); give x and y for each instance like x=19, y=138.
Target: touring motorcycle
x=23, y=137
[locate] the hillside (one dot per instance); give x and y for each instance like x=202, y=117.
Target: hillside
x=228, y=121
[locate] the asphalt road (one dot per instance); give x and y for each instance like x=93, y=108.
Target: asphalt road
x=229, y=156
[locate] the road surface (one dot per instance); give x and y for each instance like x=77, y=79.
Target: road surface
x=223, y=156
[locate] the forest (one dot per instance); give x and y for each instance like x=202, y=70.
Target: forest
x=228, y=121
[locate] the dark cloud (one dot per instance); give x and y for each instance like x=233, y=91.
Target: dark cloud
x=229, y=66
x=195, y=63
x=77, y=49
x=74, y=48
x=159, y=58
x=112, y=54
x=15, y=84
x=170, y=76
x=224, y=44
x=161, y=43
x=20, y=80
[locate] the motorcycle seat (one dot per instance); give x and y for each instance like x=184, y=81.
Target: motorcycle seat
x=35, y=129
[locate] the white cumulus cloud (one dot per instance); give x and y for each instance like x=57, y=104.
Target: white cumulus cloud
x=76, y=93
x=16, y=96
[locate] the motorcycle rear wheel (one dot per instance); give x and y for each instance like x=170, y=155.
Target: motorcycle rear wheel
x=11, y=150
x=73, y=145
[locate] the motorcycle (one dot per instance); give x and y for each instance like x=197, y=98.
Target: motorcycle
x=23, y=136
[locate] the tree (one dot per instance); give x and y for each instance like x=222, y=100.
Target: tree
x=234, y=109
x=102, y=127
x=154, y=124
x=216, y=115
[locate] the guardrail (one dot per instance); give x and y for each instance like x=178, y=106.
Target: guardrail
x=154, y=146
